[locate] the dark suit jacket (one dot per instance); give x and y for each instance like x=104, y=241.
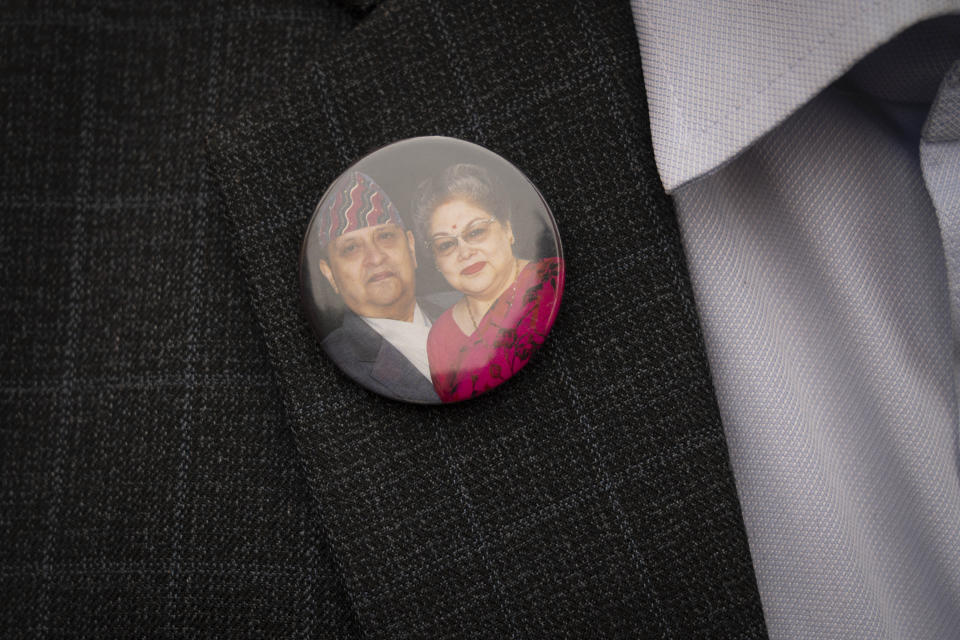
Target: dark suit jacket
x=177, y=455
x=368, y=358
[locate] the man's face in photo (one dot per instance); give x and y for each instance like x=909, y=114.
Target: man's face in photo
x=373, y=271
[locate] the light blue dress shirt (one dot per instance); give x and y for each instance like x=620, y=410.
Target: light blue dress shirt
x=817, y=194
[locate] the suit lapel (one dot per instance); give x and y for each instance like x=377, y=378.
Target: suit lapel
x=591, y=494
x=392, y=367
x=368, y=343
x=388, y=366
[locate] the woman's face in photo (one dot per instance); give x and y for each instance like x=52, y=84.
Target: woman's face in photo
x=472, y=249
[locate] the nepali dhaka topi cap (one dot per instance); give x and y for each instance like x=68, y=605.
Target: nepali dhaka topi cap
x=357, y=203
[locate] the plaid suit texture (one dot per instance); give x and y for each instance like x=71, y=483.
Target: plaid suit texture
x=178, y=459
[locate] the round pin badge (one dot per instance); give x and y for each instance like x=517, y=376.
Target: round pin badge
x=431, y=270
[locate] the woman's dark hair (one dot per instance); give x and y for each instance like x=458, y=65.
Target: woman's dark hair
x=468, y=182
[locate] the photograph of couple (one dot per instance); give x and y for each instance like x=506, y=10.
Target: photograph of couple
x=396, y=328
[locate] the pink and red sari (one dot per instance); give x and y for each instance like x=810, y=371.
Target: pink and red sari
x=506, y=337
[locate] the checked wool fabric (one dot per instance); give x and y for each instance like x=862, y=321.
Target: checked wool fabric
x=148, y=485
x=178, y=458
x=590, y=495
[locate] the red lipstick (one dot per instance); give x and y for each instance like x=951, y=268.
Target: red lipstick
x=474, y=268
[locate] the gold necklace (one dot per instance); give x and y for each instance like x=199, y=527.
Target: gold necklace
x=472, y=319
x=516, y=272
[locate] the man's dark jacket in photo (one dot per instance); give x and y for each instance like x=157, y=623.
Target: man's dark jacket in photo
x=369, y=358
x=178, y=458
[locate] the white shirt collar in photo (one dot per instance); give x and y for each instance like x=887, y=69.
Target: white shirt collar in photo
x=410, y=338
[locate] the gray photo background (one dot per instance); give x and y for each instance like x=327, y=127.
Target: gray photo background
x=398, y=169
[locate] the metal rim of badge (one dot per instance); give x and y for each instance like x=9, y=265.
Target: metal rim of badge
x=431, y=270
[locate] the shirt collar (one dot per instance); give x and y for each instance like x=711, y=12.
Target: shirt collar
x=720, y=75
x=381, y=324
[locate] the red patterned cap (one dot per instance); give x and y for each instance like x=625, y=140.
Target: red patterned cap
x=357, y=202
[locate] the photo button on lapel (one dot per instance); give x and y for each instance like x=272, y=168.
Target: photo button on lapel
x=431, y=270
